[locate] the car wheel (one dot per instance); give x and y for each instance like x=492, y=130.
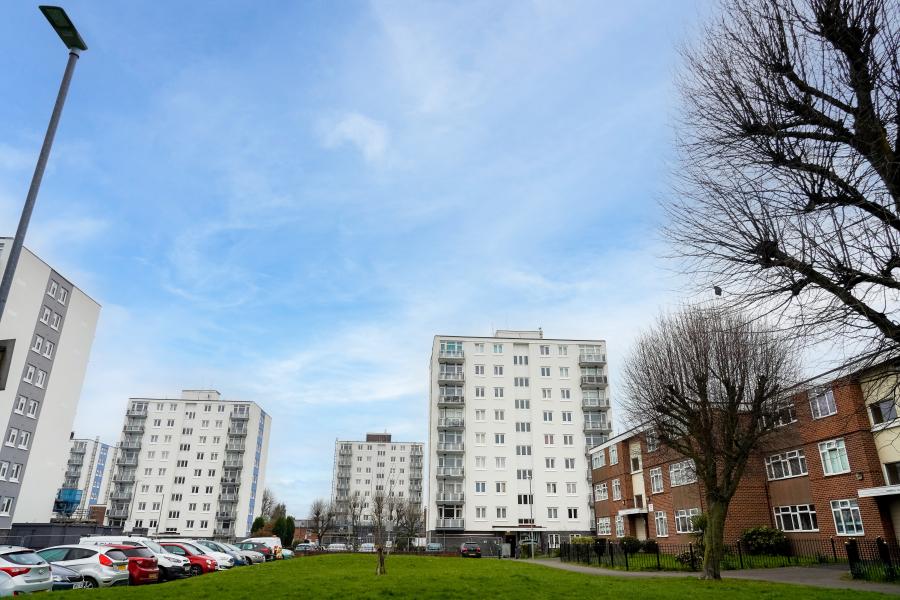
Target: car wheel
x=89, y=583
x=196, y=570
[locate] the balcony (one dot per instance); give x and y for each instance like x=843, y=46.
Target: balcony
x=345, y=452
x=127, y=477
x=133, y=429
x=451, y=377
x=240, y=416
x=117, y=512
x=236, y=430
x=131, y=445
x=450, y=497
x=78, y=449
x=451, y=523
x=415, y=489
x=451, y=356
x=230, y=482
x=594, y=403
x=75, y=461
x=226, y=515
x=596, y=427
x=416, y=451
x=451, y=401
x=139, y=413
x=451, y=446
x=591, y=359
x=223, y=497
x=233, y=464
x=127, y=461
x=222, y=532
x=234, y=447
x=451, y=423
x=450, y=471
x=120, y=495
x=594, y=381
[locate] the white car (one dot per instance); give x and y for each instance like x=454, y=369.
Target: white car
x=271, y=541
x=171, y=566
x=367, y=547
x=223, y=560
x=336, y=547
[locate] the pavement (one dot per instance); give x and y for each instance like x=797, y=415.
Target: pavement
x=826, y=577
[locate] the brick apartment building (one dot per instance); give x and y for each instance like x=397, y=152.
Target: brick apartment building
x=822, y=473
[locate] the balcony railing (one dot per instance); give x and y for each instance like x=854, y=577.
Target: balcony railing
x=120, y=495
x=127, y=461
x=140, y=413
x=450, y=471
x=451, y=523
x=240, y=416
x=416, y=451
x=222, y=532
x=451, y=400
x=451, y=446
x=228, y=515
x=450, y=497
x=451, y=422
x=75, y=461
x=451, y=376
x=237, y=431
x=233, y=464
x=133, y=429
x=234, y=447
x=228, y=497
x=451, y=355
x=124, y=477
x=594, y=380
x=117, y=512
x=589, y=403
x=596, y=426
x=230, y=481
x=131, y=445
x=78, y=449
x=76, y=473
x=588, y=358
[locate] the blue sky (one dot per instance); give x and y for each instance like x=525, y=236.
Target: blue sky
x=286, y=201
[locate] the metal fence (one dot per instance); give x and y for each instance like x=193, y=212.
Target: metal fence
x=875, y=560
x=650, y=555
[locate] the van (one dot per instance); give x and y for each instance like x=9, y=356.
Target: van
x=272, y=542
x=170, y=565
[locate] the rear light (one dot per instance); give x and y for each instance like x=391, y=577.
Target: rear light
x=105, y=560
x=14, y=571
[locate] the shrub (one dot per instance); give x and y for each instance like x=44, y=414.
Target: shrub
x=630, y=545
x=582, y=539
x=699, y=524
x=650, y=546
x=765, y=540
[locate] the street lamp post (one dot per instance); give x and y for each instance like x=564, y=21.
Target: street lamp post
x=70, y=37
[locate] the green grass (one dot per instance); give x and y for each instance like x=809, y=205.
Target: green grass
x=350, y=577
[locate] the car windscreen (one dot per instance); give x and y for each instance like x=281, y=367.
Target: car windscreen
x=156, y=547
x=138, y=551
x=24, y=557
x=193, y=549
x=116, y=554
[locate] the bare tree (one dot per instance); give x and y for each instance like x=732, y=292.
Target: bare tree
x=379, y=518
x=708, y=383
x=352, y=517
x=790, y=164
x=267, y=504
x=321, y=518
x=410, y=519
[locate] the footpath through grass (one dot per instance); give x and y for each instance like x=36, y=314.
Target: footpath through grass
x=349, y=576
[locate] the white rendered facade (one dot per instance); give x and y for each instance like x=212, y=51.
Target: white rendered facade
x=362, y=469
x=87, y=478
x=502, y=409
x=193, y=465
x=47, y=330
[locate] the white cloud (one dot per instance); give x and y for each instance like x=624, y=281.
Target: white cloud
x=368, y=135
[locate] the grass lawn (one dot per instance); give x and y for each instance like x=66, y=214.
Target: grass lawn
x=350, y=577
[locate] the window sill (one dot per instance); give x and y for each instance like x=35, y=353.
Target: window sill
x=886, y=425
x=850, y=534
x=836, y=474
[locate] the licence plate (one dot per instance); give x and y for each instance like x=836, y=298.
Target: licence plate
x=78, y=585
x=152, y=576
x=121, y=567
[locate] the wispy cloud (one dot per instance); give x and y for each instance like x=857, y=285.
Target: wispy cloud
x=370, y=137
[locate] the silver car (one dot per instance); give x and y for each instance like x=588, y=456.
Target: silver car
x=101, y=566
x=23, y=571
x=251, y=556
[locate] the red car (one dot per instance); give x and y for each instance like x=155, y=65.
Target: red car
x=142, y=565
x=200, y=563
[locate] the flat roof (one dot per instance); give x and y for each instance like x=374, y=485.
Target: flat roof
x=52, y=268
x=536, y=339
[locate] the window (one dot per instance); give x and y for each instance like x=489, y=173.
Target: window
x=564, y=371
x=63, y=295
x=24, y=439
x=481, y=512
x=520, y=381
x=652, y=441
x=682, y=473
x=499, y=415
x=500, y=487
x=499, y=462
x=21, y=404
x=480, y=462
x=548, y=416
x=54, y=322
x=525, y=499
x=11, y=437
x=545, y=371
x=801, y=517
x=29, y=373
x=553, y=540
x=523, y=474
x=501, y=512
x=570, y=464
x=834, y=457
x=662, y=524
x=546, y=393
x=498, y=370
x=548, y=439
x=603, y=526
x=787, y=464
x=480, y=414
x=5, y=505
x=552, y=512
x=568, y=439
x=598, y=459
x=616, y=490
x=499, y=439
x=563, y=350
x=45, y=315
x=480, y=438
x=571, y=488
x=38, y=344
x=620, y=526
x=479, y=391
x=523, y=450
x=498, y=348
x=847, y=520
x=573, y=512
x=892, y=473
x=602, y=491
x=498, y=392
x=783, y=414
x=565, y=393
x=523, y=403
x=883, y=411
x=479, y=369
x=41, y=379
x=550, y=463
x=4, y=467
x=479, y=348
x=14, y=472
x=636, y=465
x=520, y=360
x=52, y=289
x=656, y=481
x=480, y=487
x=684, y=522
x=551, y=488
x=523, y=426
x=48, y=348
x=545, y=350
x=822, y=404
x=613, y=455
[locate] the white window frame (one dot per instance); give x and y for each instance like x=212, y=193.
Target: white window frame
x=829, y=448
x=822, y=405
x=839, y=508
x=656, y=480
x=662, y=531
x=603, y=526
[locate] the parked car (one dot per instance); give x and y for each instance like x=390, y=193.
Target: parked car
x=367, y=547
x=101, y=566
x=470, y=549
x=250, y=556
x=305, y=547
x=434, y=547
x=65, y=578
x=200, y=562
x=267, y=552
x=171, y=566
x=23, y=571
x=285, y=553
x=142, y=565
x=273, y=542
x=224, y=558
x=336, y=547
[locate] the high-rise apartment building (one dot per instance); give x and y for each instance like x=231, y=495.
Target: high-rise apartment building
x=511, y=419
x=46, y=335
x=87, y=478
x=193, y=465
x=378, y=465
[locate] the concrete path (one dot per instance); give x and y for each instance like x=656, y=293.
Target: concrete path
x=828, y=577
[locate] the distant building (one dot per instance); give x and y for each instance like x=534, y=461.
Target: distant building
x=193, y=465
x=511, y=420
x=87, y=478
x=46, y=335
x=378, y=465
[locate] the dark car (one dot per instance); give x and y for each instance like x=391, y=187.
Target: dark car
x=434, y=547
x=65, y=578
x=470, y=549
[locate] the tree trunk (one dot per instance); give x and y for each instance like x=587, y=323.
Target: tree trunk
x=714, y=539
x=379, y=569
